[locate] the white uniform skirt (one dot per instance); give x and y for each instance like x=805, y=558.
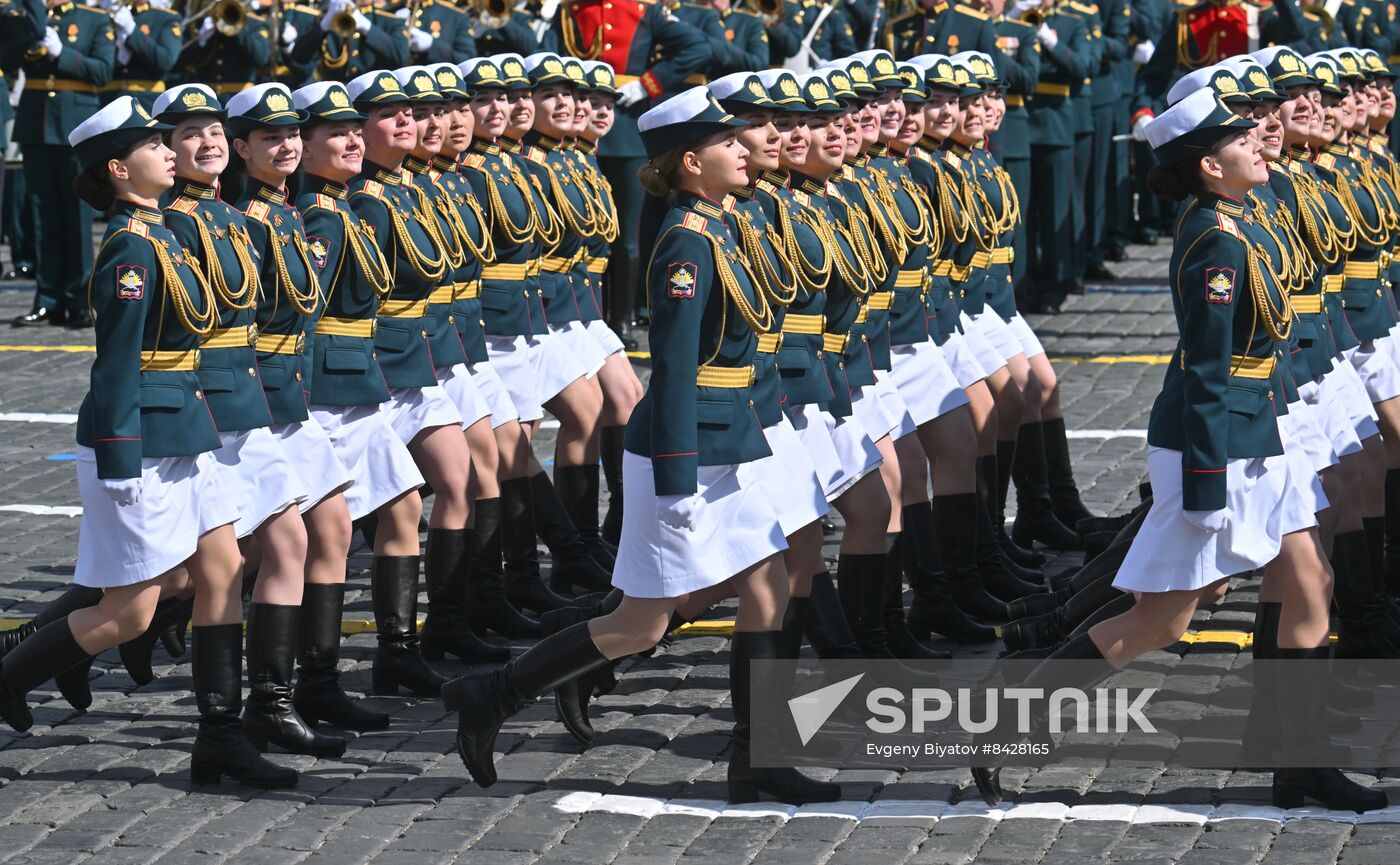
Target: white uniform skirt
x=1376, y=366
x=988, y=357
x=925, y=381
x=555, y=363
x=963, y=360
x=880, y=410
x=735, y=527
x=992, y=326
x=841, y=450
x=460, y=386
x=1312, y=439
x=410, y=410
x=1030, y=343
x=587, y=351
x=511, y=359
x=372, y=452
x=182, y=498
x=313, y=456
x=1266, y=498
x=493, y=390
x=268, y=483
x=1294, y=428
x=799, y=495
x=1325, y=394
x=1360, y=408
x=608, y=341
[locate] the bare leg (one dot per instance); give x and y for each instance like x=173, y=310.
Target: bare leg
x=442, y=456
x=282, y=539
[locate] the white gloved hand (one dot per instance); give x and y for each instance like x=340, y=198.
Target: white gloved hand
x=631, y=93
x=361, y=22
x=1207, y=521
x=123, y=491
x=123, y=22
x=1021, y=7
x=206, y=30
x=419, y=40
x=52, y=43
x=402, y=13
x=289, y=35
x=678, y=512
x=123, y=54
x=1140, y=128
x=1048, y=38
x=335, y=8
x=1143, y=52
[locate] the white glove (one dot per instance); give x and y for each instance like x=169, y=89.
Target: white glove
x=52, y=44
x=419, y=40
x=1143, y=52
x=289, y=35
x=123, y=491
x=335, y=8
x=1048, y=38
x=678, y=512
x=402, y=13
x=125, y=24
x=1140, y=128
x=631, y=93
x=1021, y=8
x=1207, y=521
x=206, y=30
x=361, y=22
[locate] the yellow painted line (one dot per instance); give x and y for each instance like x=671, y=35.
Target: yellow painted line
x=1154, y=359
x=72, y=349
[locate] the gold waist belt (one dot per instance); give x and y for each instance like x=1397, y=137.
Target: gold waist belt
x=361, y=327
x=443, y=294
x=1003, y=255
x=186, y=360
x=835, y=342
x=556, y=264
x=403, y=308
x=1332, y=283
x=232, y=337
x=1363, y=269
x=1243, y=366
x=808, y=324
x=135, y=86
x=941, y=268
x=597, y=264
x=513, y=272
x=281, y=343
x=910, y=279
x=980, y=259
x=881, y=300
x=769, y=343
x=1307, y=304
x=1015, y=100
x=59, y=84
x=469, y=290
x=863, y=315
x=1048, y=89
x=724, y=376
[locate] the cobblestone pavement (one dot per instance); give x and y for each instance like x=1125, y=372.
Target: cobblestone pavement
x=112, y=786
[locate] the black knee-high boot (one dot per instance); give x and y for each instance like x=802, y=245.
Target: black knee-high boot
x=1374, y=529
x=524, y=586
x=1304, y=731
x=1005, y=459
x=1081, y=648
x=1365, y=630
x=611, y=453
x=318, y=696
x=572, y=696
x=933, y=610
x=221, y=748
x=487, y=607
x=136, y=653
x=990, y=549
x=901, y=643
x=1035, y=511
x=578, y=489
x=47, y=652
x=398, y=661
x=573, y=562
x=747, y=783
x=72, y=683
x=1048, y=629
x=955, y=525
x=1101, y=568
x=446, y=629
x=269, y=717
x=825, y=625
x=860, y=580
x=1392, y=531
x=1064, y=492
x=483, y=701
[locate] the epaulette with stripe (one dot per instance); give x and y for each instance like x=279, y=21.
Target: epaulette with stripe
x=801, y=197
x=1084, y=8
x=728, y=203
x=324, y=201
x=767, y=186
x=475, y=160
x=374, y=188
x=970, y=12
x=695, y=222
x=257, y=210
x=534, y=154
x=302, y=7
x=184, y=205
x=1327, y=161
x=98, y=9
x=136, y=226
x=1227, y=224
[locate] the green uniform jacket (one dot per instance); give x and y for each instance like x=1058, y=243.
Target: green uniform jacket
x=155, y=47
x=1019, y=60
x=228, y=60
x=1208, y=409
x=1083, y=89
x=446, y=343
x=748, y=42
x=834, y=38
x=466, y=308
x=344, y=368
x=60, y=94
x=1364, y=297
x=515, y=37
x=998, y=291
x=450, y=27
x=695, y=324
x=943, y=29
x=842, y=295
x=384, y=46
x=391, y=212
x=747, y=215
x=562, y=192
x=937, y=184
x=1062, y=69
x=1115, y=55
x=128, y=414
x=212, y=232
x=511, y=304
x=289, y=297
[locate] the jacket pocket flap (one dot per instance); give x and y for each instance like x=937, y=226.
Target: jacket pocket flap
x=275, y=373
x=709, y=412
x=793, y=357
x=496, y=299
x=391, y=337
x=1245, y=400
x=216, y=380
x=162, y=396
x=346, y=360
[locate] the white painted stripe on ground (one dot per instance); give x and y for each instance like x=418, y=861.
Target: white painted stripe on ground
x=895, y=810
x=43, y=510
x=37, y=417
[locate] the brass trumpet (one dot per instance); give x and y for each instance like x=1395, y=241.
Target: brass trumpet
x=493, y=14
x=1033, y=17
x=343, y=24
x=229, y=16
x=770, y=10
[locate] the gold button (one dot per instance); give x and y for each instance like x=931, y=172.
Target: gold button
x=525, y=293
x=482, y=322
x=841, y=365
x=1271, y=394
x=451, y=320
x=607, y=46
x=750, y=403
x=425, y=334
x=374, y=355
x=298, y=376
x=1378, y=292
x=199, y=394
x=607, y=26
x=252, y=372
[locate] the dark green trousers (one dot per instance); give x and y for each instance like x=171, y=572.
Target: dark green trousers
x=1049, y=222
x=1020, y=171
x=17, y=221
x=1100, y=184
x=62, y=228
x=1079, y=217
